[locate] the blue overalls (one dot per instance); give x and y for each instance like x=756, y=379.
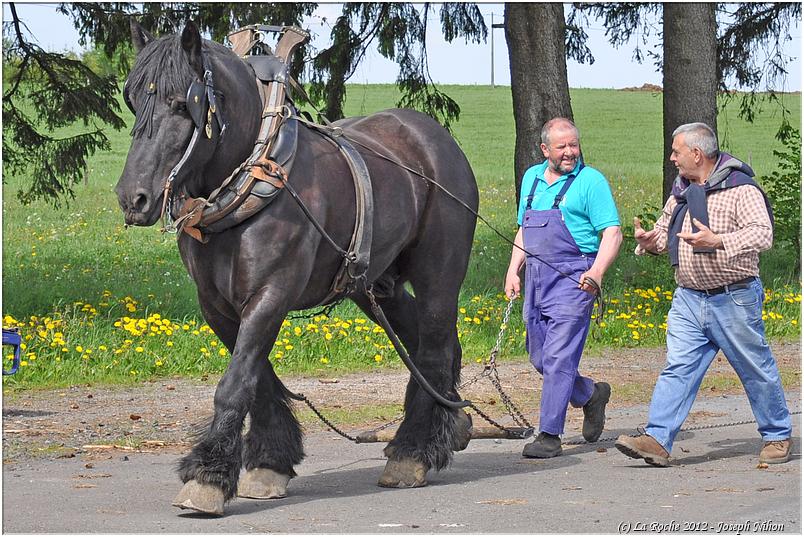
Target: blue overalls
x=556, y=311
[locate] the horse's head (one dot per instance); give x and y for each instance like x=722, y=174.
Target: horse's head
x=181, y=90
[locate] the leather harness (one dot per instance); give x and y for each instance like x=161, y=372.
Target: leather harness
x=264, y=174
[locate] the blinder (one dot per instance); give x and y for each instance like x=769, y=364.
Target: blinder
x=197, y=103
x=201, y=104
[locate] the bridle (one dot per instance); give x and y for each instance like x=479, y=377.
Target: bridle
x=203, y=105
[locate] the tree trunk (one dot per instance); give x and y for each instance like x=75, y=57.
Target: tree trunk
x=689, y=73
x=535, y=35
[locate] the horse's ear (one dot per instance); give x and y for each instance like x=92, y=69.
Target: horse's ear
x=139, y=36
x=191, y=43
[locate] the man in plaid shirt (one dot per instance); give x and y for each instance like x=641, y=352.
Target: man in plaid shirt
x=713, y=226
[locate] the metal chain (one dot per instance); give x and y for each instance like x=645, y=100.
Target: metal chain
x=512, y=409
x=487, y=417
x=641, y=431
x=529, y=429
x=490, y=371
x=495, y=351
x=325, y=420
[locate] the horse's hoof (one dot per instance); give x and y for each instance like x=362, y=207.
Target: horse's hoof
x=200, y=497
x=463, y=431
x=263, y=484
x=405, y=473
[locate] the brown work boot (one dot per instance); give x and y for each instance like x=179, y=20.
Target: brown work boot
x=775, y=452
x=643, y=447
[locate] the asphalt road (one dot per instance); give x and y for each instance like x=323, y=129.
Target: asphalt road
x=712, y=486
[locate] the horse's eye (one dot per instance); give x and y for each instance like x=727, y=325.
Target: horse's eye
x=178, y=105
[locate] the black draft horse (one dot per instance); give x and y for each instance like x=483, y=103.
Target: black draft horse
x=250, y=276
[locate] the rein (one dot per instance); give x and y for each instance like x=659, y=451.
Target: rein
x=335, y=131
x=338, y=132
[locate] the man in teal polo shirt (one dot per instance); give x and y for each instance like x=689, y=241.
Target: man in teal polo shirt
x=569, y=232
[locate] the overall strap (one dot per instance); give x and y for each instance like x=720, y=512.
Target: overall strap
x=561, y=193
x=532, y=191
x=566, y=186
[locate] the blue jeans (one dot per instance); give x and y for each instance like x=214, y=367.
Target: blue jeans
x=698, y=326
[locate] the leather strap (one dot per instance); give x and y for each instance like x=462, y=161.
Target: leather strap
x=235, y=200
x=356, y=265
x=243, y=41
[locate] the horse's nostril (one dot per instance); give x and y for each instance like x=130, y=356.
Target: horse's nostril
x=141, y=202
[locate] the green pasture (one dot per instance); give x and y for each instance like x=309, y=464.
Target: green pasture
x=100, y=303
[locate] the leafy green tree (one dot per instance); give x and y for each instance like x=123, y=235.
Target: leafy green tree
x=748, y=53
x=45, y=92
x=61, y=91
x=783, y=187
x=398, y=31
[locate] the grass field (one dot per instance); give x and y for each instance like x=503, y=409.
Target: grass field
x=101, y=303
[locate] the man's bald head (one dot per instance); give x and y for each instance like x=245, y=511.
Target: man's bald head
x=556, y=124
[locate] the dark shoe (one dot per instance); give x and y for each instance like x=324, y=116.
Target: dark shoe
x=643, y=447
x=775, y=452
x=545, y=446
x=594, y=412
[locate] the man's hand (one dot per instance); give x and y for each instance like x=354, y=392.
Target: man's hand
x=703, y=238
x=594, y=275
x=512, y=284
x=646, y=239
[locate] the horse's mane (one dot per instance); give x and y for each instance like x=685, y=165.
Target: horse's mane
x=164, y=63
